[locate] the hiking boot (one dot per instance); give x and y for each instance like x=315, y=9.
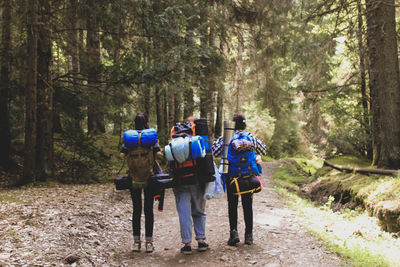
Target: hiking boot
x=136, y=246
x=203, y=246
x=248, y=239
x=233, y=238
x=186, y=250
x=149, y=247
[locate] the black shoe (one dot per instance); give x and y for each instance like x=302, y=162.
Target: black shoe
x=248, y=239
x=203, y=246
x=186, y=250
x=233, y=238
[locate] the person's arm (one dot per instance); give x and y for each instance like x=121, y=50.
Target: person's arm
x=123, y=151
x=260, y=147
x=217, y=147
x=157, y=150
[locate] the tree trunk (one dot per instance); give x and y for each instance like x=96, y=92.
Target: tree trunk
x=178, y=105
x=220, y=109
x=73, y=51
x=239, y=73
x=188, y=102
x=221, y=94
x=44, y=147
x=384, y=81
x=28, y=174
x=171, y=106
x=117, y=130
x=95, y=110
x=5, y=136
x=160, y=115
x=364, y=97
x=208, y=88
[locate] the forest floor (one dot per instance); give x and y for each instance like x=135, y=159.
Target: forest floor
x=90, y=225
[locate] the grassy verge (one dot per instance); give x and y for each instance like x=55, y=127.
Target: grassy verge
x=350, y=233
x=353, y=235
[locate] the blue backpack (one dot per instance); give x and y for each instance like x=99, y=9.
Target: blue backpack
x=242, y=157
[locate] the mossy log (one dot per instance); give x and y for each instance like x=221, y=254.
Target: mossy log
x=362, y=170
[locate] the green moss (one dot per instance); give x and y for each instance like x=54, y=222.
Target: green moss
x=267, y=159
x=309, y=166
x=289, y=175
x=352, y=161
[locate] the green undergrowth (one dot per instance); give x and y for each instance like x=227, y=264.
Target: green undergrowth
x=352, y=234
x=267, y=159
x=365, y=206
x=294, y=172
x=87, y=159
x=353, y=161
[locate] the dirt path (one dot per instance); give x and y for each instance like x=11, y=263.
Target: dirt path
x=90, y=224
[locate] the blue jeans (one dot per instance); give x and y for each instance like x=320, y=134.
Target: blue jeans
x=190, y=204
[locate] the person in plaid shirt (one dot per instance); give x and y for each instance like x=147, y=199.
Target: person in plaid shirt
x=247, y=200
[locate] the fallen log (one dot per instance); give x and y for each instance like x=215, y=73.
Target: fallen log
x=361, y=170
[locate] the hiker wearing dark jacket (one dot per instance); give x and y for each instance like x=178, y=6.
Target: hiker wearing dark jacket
x=247, y=200
x=141, y=123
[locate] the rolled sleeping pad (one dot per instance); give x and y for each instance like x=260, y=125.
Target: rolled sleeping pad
x=131, y=138
x=206, y=142
x=148, y=137
x=198, y=147
x=177, y=149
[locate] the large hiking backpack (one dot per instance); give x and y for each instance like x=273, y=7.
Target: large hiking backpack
x=140, y=156
x=241, y=156
x=182, y=129
x=187, y=155
x=140, y=162
x=243, y=169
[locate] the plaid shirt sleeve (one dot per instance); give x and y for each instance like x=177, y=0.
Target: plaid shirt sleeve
x=259, y=145
x=217, y=147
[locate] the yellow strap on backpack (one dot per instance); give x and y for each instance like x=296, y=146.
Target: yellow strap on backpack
x=234, y=180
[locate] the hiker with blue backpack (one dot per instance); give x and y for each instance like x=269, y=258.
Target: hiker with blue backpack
x=242, y=179
x=141, y=147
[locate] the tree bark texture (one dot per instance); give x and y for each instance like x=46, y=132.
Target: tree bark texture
x=178, y=105
x=161, y=127
x=171, y=106
x=28, y=174
x=208, y=83
x=384, y=81
x=188, y=102
x=73, y=50
x=95, y=113
x=239, y=72
x=364, y=97
x=44, y=147
x=5, y=136
x=220, y=109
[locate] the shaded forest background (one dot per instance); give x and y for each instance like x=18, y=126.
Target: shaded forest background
x=313, y=77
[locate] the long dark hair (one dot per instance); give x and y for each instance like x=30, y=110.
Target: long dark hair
x=141, y=121
x=240, y=121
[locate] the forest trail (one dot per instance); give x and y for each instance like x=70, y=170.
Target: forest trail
x=90, y=224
